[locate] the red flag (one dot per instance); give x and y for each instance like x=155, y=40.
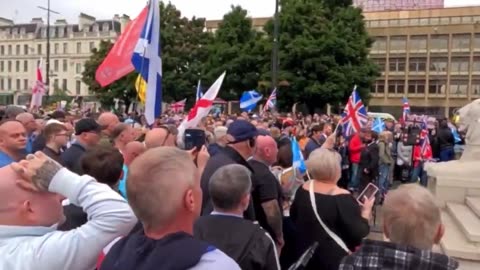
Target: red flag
x=38, y=89
x=118, y=62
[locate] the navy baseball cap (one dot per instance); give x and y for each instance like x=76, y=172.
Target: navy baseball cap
x=87, y=125
x=242, y=130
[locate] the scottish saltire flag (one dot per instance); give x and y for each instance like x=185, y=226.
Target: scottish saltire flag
x=297, y=162
x=354, y=117
x=406, y=109
x=249, y=100
x=378, y=125
x=455, y=134
x=271, y=101
x=199, y=92
x=147, y=61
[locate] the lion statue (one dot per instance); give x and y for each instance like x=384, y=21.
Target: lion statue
x=469, y=164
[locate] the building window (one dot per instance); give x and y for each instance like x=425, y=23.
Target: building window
x=78, y=86
x=418, y=43
x=398, y=43
x=380, y=44
x=459, y=65
x=417, y=64
x=2, y=66
x=436, y=87
x=17, y=50
x=438, y=42
x=397, y=65
x=9, y=66
x=39, y=49
x=56, y=48
x=461, y=42
x=78, y=68
x=25, y=66
x=55, y=84
x=476, y=42
x=65, y=48
x=65, y=65
x=2, y=50
x=55, y=65
x=25, y=84
x=18, y=84
x=79, y=47
x=64, y=84
x=396, y=86
x=476, y=63
x=9, y=49
x=379, y=87
x=9, y=84
x=17, y=66
x=438, y=65
x=380, y=63
x=25, y=49
x=475, y=91
x=91, y=45
x=2, y=86
x=458, y=88
x=416, y=87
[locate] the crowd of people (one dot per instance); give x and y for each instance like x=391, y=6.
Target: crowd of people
x=106, y=192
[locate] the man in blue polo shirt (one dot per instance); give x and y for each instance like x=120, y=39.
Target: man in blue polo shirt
x=12, y=142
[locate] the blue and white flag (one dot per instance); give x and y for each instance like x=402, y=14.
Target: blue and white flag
x=298, y=162
x=147, y=61
x=249, y=100
x=378, y=125
x=199, y=94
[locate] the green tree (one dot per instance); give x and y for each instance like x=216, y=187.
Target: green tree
x=323, y=52
x=123, y=89
x=236, y=48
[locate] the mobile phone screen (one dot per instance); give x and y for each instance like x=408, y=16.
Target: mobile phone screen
x=194, y=138
x=368, y=192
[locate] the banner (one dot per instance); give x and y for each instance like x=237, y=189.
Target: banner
x=118, y=62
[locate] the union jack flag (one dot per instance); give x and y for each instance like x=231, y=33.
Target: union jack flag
x=354, y=116
x=178, y=106
x=424, y=140
x=271, y=101
x=406, y=109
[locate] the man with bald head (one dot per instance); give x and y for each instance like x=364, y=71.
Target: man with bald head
x=412, y=223
x=266, y=190
x=164, y=192
x=131, y=151
x=108, y=121
x=28, y=121
x=161, y=136
x=12, y=142
x=31, y=193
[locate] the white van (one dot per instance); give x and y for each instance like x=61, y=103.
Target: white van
x=383, y=116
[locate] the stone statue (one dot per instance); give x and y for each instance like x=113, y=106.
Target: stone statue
x=468, y=167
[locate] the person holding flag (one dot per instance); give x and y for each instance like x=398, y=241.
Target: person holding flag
x=422, y=152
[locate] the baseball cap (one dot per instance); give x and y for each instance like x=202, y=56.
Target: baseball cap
x=242, y=130
x=87, y=125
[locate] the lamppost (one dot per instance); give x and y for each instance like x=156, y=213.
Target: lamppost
x=275, y=47
x=47, y=81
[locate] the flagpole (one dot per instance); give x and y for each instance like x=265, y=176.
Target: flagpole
x=275, y=47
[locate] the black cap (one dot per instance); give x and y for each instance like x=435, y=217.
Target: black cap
x=242, y=130
x=87, y=125
x=57, y=115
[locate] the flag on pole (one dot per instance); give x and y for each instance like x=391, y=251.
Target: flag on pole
x=425, y=147
x=249, y=100
x=38, y=89
x=406, y=109
x=201, y=108
x=118, y=62
x=199, y=93
x=271, y=101
x=354, y=116
x=147, y=61
x=178, y=106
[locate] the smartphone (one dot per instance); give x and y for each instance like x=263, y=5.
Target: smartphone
x=368, y=192
x=194, y=138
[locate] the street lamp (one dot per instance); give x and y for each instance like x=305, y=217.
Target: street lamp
x=47, y=82
x=275, y=47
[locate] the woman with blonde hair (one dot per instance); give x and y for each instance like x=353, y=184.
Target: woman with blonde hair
x=325, y=213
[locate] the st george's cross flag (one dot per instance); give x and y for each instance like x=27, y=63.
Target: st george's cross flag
x=38, y=89
x=147, y=61
x=201, y=108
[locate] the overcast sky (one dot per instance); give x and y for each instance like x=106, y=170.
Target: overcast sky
x=22, y=11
